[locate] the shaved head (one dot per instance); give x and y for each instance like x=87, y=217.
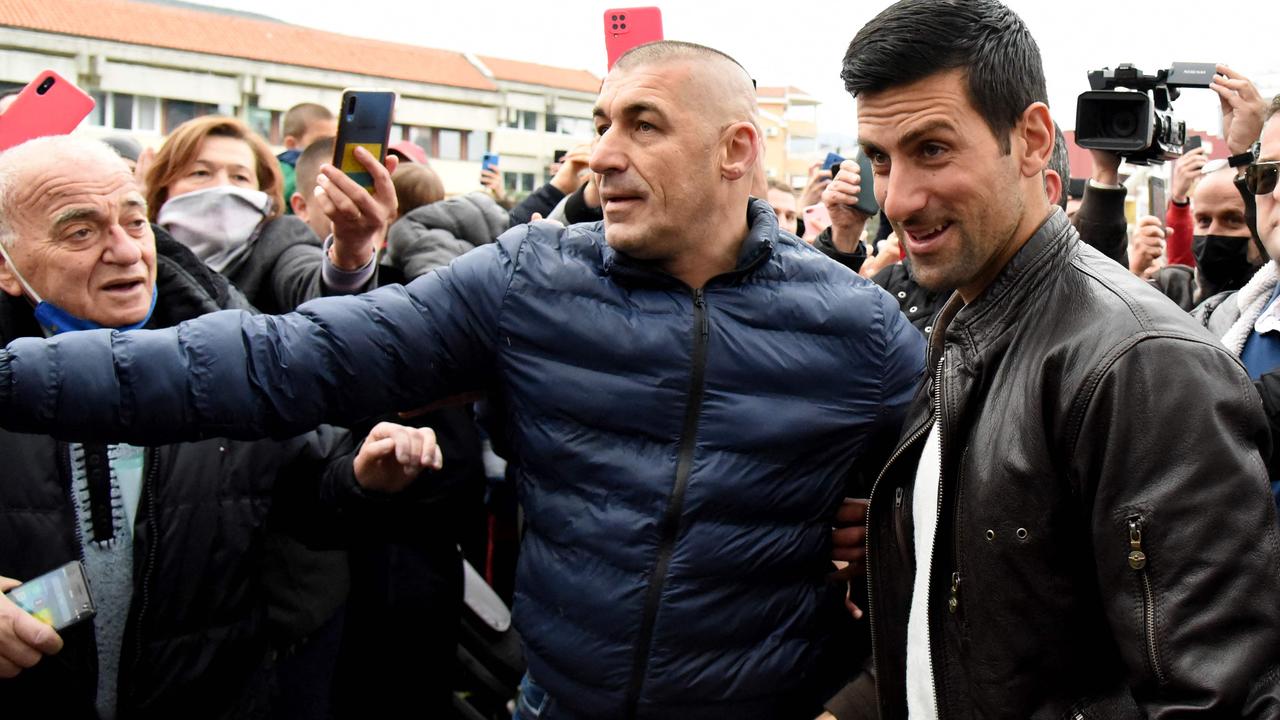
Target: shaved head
x=725, y=87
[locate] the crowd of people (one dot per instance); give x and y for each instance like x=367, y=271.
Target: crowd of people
x=775, y=456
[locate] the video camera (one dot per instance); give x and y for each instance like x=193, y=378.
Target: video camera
x=1137, y=123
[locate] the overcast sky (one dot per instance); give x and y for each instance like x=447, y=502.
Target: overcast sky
x=801, y=42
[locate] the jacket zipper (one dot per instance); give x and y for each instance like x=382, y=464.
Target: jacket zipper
x=933, y=548
x=871, y=603
x=149, y=496
x=1138, y=561
x=64, y=461
x=675, y=507
x=953, y=602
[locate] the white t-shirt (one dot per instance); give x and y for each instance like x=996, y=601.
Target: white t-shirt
x=922, y=702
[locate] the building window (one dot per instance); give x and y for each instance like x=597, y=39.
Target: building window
x=399, y=132
x=122, y=111
x=518, y=182
x=259, y=120
x=477, y=144
x=449, y=144
x=578, y=127
x=521, y=119
x=177, y=112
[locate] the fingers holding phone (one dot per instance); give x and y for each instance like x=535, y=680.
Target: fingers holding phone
x=360, y=217
x=841, y=198
x=24, y=640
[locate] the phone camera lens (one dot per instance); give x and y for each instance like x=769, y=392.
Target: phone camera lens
x=44, y=86
x=615, y=26
x=615, y=18
x=624, y=26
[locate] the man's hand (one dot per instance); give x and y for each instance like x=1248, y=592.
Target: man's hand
x=360, y=218
x=1243, y=108
x=1146, y=247
x=491, y=179
x=890, y=254
x=575, y=163
x=1186, y=171
x=24, y=640
x=839, y=196
x=393, y=456
x=1106, y=167
x=849, y=545
x=812, y=193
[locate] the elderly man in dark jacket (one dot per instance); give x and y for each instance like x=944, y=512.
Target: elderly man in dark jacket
x=1058, y=535
x=170, y=535
x=689, y=390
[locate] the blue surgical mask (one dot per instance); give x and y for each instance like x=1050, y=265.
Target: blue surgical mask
x=54, y=320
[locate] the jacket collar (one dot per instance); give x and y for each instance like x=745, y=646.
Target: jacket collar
x=762, y=235
x=1041, y=258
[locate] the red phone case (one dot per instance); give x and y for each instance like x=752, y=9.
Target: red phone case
x=55, y=111
x=625, y=28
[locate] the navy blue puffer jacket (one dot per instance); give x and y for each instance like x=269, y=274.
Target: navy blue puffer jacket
x=680, y=453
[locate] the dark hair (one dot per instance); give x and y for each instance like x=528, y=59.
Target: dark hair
x=308, y=166
x=1060, y=162
x=913, y=39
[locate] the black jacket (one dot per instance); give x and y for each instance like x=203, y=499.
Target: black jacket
x=918, y=303
x=284, y=268
x=195, y=644
x=433, y=235
x=1085, y=418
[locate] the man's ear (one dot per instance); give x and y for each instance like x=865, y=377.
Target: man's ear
x=1032, y=142
x=8, y=280
x=299, y=205
x=740, y=145
x=290, y=142
x=1053, y=186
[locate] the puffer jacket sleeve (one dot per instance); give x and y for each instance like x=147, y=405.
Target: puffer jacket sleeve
x=434, y=235
x=1182, y=526
x=335, y=360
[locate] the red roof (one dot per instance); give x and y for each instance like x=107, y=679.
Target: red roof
x=546, y=75
x=216, y=33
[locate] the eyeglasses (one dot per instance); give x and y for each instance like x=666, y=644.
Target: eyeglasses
x=1260, y=177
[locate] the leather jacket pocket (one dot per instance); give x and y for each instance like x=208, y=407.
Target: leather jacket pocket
x=900, y=533
x=1139, y=563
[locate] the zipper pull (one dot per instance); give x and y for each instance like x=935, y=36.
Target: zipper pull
x=701, y=303
x=897, y=498
x=953, y=603
x=1137, y=558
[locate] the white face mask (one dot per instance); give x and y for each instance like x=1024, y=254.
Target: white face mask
x=217, y=224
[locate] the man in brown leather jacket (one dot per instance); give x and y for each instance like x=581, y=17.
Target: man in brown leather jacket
x=1077, y=521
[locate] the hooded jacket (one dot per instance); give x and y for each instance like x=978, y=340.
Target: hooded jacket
x=681, y=452
x=433, y=235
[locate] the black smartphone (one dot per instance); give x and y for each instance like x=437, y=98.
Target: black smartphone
x=1157, y=202
x=364, y=120
x=59, y=598
x=559, y=156
x=1192, y=143
x=866, y=186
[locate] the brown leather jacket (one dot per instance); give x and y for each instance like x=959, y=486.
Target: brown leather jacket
x=1107, y=545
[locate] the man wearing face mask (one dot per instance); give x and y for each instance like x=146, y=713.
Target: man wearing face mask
x=216, y=188
x=171, y=535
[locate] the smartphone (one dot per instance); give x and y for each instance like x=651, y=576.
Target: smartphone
x=559, y=156
x=831, y=161
x=1192, y=143
x=48, y=105
x=625, y=28
x=59, y=598
x=866, y=187
x=1157, y=202
x=364, y=120
x=489, y=162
